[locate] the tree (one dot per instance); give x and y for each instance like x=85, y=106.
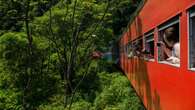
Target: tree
x=56, y=45
x=12, y=12
x=121, y=15
x=22, y=55
x=72, y=29
x=75, y=29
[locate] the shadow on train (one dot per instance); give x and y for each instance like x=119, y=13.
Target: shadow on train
x=137, y=72
x=143, y=86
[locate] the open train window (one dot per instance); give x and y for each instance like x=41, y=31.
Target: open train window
x=129, y=50
x=149, y=46
x=169, y=42
x=137, y=47
x=192, y=38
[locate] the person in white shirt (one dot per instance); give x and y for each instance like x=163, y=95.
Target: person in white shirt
x=171, y=45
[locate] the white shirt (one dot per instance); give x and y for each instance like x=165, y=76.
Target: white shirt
x=176, y=50
x=175, y=57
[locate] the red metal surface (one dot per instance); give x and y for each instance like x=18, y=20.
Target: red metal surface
x=161, y=86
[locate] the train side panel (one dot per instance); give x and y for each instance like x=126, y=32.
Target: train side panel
x=160, y=86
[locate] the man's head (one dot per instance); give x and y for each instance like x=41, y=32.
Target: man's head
x=170, y=36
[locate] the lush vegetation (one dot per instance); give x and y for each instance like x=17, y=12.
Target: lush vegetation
x=45, y=55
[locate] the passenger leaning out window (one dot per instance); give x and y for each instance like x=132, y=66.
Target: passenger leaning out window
x=171, y=45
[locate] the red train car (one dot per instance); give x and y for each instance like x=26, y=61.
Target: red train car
x=161, y=84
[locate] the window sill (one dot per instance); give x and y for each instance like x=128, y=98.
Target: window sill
x=149, y=59
x=192, y=69
x=129, y=57
x=168, y=63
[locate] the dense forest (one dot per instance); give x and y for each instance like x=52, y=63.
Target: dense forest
x=46, y=58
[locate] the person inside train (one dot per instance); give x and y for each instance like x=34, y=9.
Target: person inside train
x=138, y=48
x=171, y=45
x=130, y=50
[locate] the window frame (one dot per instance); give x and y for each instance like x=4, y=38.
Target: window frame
x=146, y=38
x=190, y=11
x=171, y=22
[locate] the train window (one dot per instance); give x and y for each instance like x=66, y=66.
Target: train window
x=149, y=46
x=192, y=39
x=168, y=43
x=129, y=50
x=137, y=47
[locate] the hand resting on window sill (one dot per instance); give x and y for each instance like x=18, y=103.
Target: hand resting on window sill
x=173, y=60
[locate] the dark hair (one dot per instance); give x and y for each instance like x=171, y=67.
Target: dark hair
x=171, y=34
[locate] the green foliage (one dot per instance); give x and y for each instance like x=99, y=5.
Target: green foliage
x=81, y=105
x=12, y=12
x=36, y=71
x=9, y=95
x=112, y=92
x=121, y=14
x=9, y=99
x=15, y=70
x=116, y=94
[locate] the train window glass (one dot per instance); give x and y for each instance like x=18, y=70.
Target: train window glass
x=169, y=43
x=149, y=46
x=192, y=39
x=129, y=50
x=137, y=47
